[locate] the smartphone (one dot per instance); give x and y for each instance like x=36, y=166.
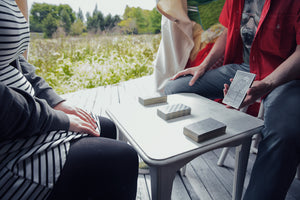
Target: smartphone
x=236, y=94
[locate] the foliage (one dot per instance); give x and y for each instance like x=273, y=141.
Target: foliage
x=77, y=28
x=47, y=18
x=139, y=21
x=72, y=63
x=210, y=12
x=155, y=21
x=98, y=22
x=49, y=26
x=51, y=18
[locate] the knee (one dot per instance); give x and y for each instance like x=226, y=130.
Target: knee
x=170, y=88
x=108, y=128
x=179, y=85
x=128, y=155
x=283, y=137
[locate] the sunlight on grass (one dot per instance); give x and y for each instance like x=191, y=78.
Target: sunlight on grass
x=73, y=63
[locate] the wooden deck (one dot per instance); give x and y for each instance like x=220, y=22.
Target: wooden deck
x=204, y=180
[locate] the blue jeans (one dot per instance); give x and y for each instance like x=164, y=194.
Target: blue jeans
x=279, y=151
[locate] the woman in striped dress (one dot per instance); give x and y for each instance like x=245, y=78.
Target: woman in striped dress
x=48, y=149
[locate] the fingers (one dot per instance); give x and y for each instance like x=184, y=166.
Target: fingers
x=87, y=117
x=87, y=128
x=181, y=73
x=225, y=90
x=82, y=126
x=194, y=78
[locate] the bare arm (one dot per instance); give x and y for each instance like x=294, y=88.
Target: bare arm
x=216, y=52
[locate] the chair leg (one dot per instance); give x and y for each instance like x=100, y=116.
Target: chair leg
x=241, y=162
x=183, y=170
x=255, y=140
x=223, y=156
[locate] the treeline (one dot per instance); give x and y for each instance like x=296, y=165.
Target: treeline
x=53, y=20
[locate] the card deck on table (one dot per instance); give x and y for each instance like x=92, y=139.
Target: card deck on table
x=173, y=111
x=204, y=129
x=149, y=100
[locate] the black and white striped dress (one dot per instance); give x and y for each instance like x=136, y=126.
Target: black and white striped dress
x=28, y=167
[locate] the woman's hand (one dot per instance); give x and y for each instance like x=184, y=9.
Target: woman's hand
x=78, y=115
x=195, y=71
x=82, y=126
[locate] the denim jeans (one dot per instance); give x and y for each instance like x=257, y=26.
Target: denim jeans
x=279, y=151
x=210, y=85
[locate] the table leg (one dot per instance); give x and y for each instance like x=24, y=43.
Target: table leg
x=241, y=162
x=162, y=178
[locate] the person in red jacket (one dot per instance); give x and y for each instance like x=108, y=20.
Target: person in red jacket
x=262, y=37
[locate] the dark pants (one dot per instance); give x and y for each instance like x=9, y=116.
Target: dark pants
x=98, y=168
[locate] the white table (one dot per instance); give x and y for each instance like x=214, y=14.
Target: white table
x=164, y=147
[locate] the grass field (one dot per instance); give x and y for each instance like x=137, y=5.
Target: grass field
x=72, y=63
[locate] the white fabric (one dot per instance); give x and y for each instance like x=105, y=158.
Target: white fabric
x=176, y=42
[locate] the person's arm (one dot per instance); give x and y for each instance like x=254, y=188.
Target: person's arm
x=288, y=70
x=41, y=87
x=80, y=120
x=215, y=53
x=22, y=115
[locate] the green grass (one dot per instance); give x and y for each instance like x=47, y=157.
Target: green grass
x=210, y=12
x=73, y=63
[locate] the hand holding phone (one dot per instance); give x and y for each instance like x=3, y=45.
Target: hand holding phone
x=237, y=91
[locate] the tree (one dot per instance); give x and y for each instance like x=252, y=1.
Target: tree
x=139, y=21
x=80, y=15
x=96, y=21
x=38, y=14
x=49, y=26
x=155, y=21
x=77, y=28
x=65, y=20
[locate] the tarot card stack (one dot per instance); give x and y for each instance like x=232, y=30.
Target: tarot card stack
x=204, y=130
x=173, y=111
x=149, y=100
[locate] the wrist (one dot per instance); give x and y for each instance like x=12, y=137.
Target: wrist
x=269, y=84
x=204, y=66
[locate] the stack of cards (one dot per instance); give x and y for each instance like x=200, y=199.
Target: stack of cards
x=204, y=129
x=152, y=100
x=173, y=111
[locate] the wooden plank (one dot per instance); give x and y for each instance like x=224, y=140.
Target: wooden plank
x=224, y=175
x=142, y=190
x=98, y=105
x=90, y=99
x=179, y=191
x=212, y=183
x=194, y=185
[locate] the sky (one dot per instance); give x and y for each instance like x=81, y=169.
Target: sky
x=114, y=7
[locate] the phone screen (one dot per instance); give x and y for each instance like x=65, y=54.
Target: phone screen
x=236, y=94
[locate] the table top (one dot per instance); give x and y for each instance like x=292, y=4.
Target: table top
x=160, y=140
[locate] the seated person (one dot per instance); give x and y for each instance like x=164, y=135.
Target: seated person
x=262, y=37
x=49, y=149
